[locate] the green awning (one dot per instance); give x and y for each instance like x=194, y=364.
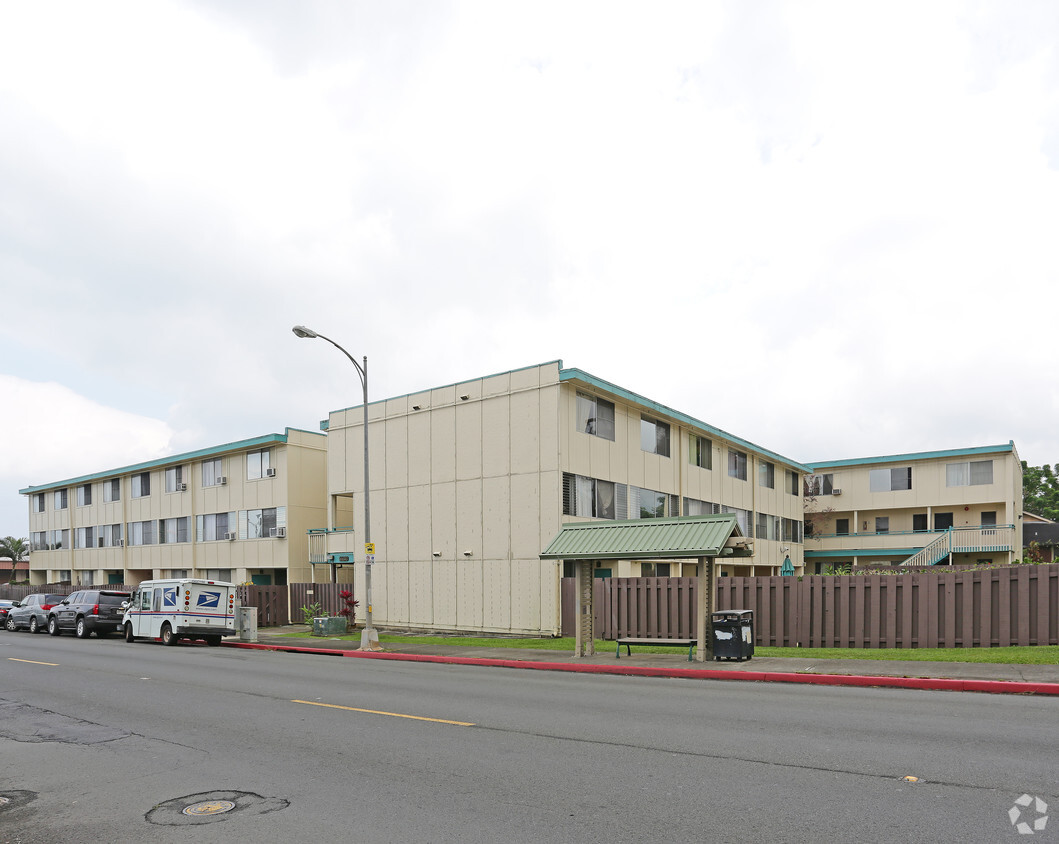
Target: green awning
x=646, y=539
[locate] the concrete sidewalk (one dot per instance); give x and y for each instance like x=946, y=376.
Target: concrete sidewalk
x=954, y=676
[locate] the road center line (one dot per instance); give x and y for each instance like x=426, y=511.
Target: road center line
x=34, y=662
x=391, y=714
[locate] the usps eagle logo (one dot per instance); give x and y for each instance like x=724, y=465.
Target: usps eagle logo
x=169, y=597
x=209, y=600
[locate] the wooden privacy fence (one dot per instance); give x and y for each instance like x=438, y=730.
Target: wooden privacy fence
x=324, y=594
x=1017, y=605
x=271, y=603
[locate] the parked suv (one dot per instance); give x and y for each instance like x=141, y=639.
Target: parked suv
x=31, y=612
x=89, y=611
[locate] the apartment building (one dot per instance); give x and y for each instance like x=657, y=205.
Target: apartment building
x=927, y=508
x=471, y=481
x=239, y=512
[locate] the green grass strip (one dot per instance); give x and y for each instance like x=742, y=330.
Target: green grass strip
x=1043, y=655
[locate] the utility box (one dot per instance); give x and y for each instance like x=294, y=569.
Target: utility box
x=333, y=626
x=246, y=619
x=733, y=634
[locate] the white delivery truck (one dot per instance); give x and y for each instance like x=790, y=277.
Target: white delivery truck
x=181, y=608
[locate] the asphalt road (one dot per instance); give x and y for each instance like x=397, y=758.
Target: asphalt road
x=105, y=741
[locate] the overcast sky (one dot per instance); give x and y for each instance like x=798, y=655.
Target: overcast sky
x=828, y=228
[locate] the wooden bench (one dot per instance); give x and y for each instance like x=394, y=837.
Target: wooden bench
x=660, y=643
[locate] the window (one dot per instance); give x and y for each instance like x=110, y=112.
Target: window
x=886, y=480
x=768, y=527
x=737, y=464
x=141, y=485
x=654, y=569
x=173, y=530
x=212, y=472
x=141, y=533
x=694, y=507
x=882, y=524
x=942, y=521
x=595, y=416
x=971, y=473
x=174, y=478
x=919, y=522
x=219, y=574
x=648, y=504
x=112, y=490
x=588, y=497
x=38, y=502
x=178, y=573
x=654, y=436
x=60, y=499
x=793, y=530
x=38, y=541
x=988, y=518
x=85, y=578
x=60, y=539
x=700, y=452
x=257, y=464
x=213, y=526
x=766, y=474
x=791, y=483
x=742, y=518
x=819, y=484
x=258, y=524
x=85, y=537
x=84, y=495
x=109, y=536
x=841, y=527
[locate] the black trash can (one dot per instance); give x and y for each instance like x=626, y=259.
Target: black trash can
x=733, y=634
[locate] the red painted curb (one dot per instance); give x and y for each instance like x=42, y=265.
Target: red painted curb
x=926, y=683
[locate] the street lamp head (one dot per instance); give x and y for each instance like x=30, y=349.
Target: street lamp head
x=302, y=331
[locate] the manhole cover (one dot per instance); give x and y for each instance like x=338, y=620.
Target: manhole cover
x=209, y=807
x=212, y=807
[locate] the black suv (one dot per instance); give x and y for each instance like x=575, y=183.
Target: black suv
x=88, y=611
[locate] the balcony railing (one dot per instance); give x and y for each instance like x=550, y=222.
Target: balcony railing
x=325, y=541
x=964, y=540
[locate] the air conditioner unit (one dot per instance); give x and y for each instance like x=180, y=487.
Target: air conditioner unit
x=121, y=543
x=222, y=480
x=278, y=532
x=181, y=487
x=229, y=536
x=270, y=473
x=836, y=492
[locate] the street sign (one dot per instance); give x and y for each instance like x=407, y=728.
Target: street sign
x=369, y=548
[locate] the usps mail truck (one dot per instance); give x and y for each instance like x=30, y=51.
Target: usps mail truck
x=185, y=608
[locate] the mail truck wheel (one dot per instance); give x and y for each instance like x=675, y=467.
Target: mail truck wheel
x=128, y=633
x=213, y=641
x=168, y=637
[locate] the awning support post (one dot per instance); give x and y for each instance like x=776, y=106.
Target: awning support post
x=585, y=633
x=704, y=610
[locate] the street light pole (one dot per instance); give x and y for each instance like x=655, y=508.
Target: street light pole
x=369, y=637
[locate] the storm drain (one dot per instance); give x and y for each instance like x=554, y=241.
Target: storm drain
x=211, y=807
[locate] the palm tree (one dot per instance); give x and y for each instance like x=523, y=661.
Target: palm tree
x=15, y=549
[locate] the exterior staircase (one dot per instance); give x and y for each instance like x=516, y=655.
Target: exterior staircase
x=964, y=540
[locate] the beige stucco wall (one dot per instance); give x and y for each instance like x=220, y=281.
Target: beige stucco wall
x=929, y=495
x=299, y=486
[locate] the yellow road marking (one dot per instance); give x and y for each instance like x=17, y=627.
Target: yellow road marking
x=55, y=664
x=391, y=714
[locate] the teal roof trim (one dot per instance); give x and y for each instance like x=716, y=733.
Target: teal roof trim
x=918, y=455
x=861, y=552
x=238, y=445
x=643, y=539
x=582, y=377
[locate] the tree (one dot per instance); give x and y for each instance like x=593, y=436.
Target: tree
x=14, y=548
x=1040, y=490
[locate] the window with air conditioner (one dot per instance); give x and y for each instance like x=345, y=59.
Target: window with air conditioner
x=258, y=464
x=212, y=472
x=174, y=479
